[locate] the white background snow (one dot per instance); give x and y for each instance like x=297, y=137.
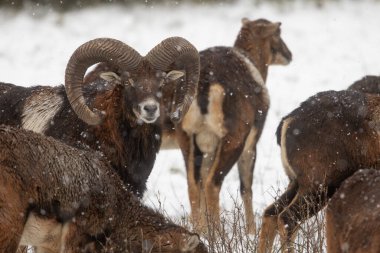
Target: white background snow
x=332, y=47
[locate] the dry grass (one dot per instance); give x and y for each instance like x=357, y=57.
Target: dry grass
x=231, y=237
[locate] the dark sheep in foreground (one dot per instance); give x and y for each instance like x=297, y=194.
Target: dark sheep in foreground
x=123, y=124
x=324, y=141
x=353, y=215
x=63, y=199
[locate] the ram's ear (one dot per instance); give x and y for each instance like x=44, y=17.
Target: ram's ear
x=110, y=77
x=245, y=21
x=175, y=74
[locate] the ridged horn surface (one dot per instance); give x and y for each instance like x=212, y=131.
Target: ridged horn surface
x=94, y=51
x=178, y=53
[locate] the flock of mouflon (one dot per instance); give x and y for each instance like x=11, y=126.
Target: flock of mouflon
x=75, y=159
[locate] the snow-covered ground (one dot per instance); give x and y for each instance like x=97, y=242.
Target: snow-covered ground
x=332, y=47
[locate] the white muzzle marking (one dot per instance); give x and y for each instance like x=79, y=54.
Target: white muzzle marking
x=149, y=111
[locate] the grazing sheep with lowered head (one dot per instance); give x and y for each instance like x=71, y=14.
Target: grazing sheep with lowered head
x=62, y=199
x=324, y=141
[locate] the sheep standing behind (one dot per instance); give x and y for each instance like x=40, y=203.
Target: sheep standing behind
x=324, y=141
x=225, y=121
x=353, y=215
x=122, y=121
x=63, y=199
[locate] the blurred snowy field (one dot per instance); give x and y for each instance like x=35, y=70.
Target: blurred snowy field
x=332, y=47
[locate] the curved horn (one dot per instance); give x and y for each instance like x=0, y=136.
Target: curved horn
x=183, y=55
x=98, y=50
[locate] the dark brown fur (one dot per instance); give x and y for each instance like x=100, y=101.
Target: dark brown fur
x=82, y=195
x=353, y=215
x=130, y=146
x=324, y=141
x=368, y=84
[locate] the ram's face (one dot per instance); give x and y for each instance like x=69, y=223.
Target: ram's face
x=143, y=90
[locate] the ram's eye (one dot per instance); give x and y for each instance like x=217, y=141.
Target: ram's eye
x=131, y=82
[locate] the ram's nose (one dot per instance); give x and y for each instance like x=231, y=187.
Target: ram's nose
x=150, y=108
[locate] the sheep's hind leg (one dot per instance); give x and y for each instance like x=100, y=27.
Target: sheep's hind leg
x=196, y=193
x=193, y=159
x=207, y=215
x=208, y=147
x=304, y=205
x=269, y=223
x=226, y=156
x=246, y=165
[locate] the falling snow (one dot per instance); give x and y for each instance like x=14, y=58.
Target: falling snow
x=326, y=55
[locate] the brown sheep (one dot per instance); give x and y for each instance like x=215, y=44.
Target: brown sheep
x=324, y=141
x=225, y=121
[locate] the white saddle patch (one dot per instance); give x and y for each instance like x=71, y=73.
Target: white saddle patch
x=41, y=232
x=40, y=109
